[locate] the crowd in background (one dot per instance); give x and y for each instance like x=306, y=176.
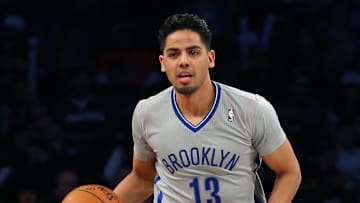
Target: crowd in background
x=72, y=72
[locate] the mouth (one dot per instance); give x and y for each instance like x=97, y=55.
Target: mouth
x=185, y=77
x=184, y=74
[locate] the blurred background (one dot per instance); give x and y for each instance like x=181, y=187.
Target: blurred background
x=71, y=73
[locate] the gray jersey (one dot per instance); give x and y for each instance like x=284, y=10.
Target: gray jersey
x=214, y=161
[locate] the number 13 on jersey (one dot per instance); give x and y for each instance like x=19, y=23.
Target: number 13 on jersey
x=210, y=184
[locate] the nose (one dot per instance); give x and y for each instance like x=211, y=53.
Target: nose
x=184, y=62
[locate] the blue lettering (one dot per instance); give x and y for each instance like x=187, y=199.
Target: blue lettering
x=204, y=156
x=185, y=155
x=223, y=157
x=195, y=160
x=173, y=161
x=193, y=157
x=169, y=168
x=213, y=158
x=232, y=162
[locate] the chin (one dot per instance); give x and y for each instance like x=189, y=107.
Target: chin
x=186, y=90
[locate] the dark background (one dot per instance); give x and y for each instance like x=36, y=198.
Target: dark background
x=71, y=73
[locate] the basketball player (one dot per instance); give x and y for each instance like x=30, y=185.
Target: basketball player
x=200, y=140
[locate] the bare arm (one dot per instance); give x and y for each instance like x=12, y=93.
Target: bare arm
x=288, y=176
x=139, y=184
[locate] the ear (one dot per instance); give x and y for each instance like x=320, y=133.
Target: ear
x=161, y=59
x=211, y=58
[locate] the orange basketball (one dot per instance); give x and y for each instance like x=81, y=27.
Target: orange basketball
x=91, y=193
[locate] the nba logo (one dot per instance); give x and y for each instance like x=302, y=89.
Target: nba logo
x=230, y=115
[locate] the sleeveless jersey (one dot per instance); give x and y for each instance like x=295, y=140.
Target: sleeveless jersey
x=214, y=161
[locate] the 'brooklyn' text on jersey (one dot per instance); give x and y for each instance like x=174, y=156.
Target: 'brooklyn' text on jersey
x=200, y=156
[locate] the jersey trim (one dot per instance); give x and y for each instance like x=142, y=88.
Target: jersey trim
x=160, y=195
x=258, y=200
x=207, y=117
x=258, y=162
x=157, y=179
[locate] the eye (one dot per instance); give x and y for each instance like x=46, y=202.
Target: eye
x=172, y=54
x=194, y=52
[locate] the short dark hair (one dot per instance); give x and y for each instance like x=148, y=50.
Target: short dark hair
x=182, y=21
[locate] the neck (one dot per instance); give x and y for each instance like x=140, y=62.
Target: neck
x=199, y=103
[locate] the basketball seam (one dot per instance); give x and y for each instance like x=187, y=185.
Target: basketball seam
x=92, y=194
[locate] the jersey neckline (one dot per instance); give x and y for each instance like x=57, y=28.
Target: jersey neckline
x=206, y=119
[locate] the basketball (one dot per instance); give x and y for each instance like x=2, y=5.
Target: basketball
x=91, y=193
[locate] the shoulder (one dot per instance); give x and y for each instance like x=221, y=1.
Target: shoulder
x=240, y=95
x=247, y=102
x=156, y=100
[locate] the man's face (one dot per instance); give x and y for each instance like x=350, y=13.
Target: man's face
x=186, y=61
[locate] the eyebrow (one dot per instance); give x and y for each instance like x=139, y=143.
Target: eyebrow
x=187, y=48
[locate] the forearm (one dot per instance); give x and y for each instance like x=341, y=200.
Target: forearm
x=133, y=189
x=285, y=188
